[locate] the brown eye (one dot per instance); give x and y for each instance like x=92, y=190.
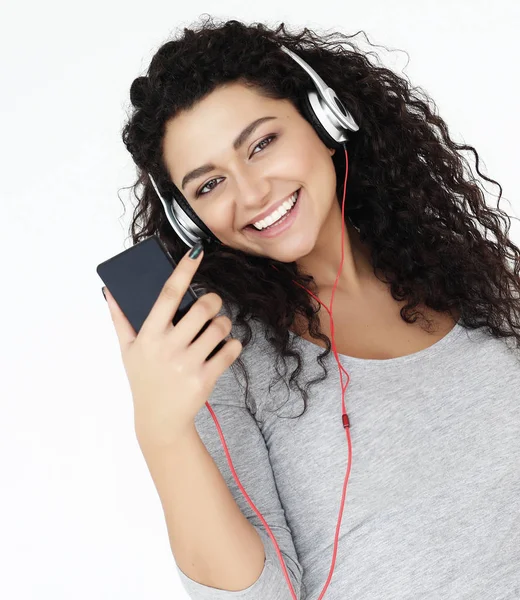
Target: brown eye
x=268, y=139
x=199, y=191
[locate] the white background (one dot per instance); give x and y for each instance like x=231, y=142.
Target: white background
x=79, y=515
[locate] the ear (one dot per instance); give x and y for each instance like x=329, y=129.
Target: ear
x=332, y=151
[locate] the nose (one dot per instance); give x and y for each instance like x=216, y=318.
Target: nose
x=252, y=189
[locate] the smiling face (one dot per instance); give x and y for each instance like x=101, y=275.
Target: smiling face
x=280, y=156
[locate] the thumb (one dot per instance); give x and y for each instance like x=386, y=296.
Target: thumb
x=125, y=332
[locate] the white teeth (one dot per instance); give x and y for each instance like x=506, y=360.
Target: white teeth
x=277, y=214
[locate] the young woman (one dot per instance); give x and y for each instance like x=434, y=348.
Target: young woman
x=424, y=324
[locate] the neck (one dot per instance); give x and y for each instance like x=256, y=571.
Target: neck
x=324, y=261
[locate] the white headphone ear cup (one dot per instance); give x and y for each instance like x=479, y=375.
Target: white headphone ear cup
x=187, y=219
x=323, y=121
x=191, y=224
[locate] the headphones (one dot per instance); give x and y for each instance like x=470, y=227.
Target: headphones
x=324, y=111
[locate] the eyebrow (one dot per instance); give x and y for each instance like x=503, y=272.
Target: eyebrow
x=239, y=141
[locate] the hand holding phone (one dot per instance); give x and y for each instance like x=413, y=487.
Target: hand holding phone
x=167, y=361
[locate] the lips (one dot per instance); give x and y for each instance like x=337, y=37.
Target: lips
x=271, y=210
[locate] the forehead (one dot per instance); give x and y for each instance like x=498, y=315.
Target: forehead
x=213, y=123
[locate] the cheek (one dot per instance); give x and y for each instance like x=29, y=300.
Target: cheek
x=298, y=163
x=311, y=158
x=220, y=220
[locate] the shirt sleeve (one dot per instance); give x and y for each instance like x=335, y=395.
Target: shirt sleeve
x=250, y=458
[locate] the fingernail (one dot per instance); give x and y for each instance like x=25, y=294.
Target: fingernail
x=103, y=290
x=196, y=250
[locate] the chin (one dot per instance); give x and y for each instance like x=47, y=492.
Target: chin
x=293, y=254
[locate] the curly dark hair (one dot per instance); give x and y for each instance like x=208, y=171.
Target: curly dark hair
x=424, y=218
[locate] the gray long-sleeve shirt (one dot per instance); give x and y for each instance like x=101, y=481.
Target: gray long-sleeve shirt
x=433, y=500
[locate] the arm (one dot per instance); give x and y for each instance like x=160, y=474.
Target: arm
x=220, y=546
x=200, y=515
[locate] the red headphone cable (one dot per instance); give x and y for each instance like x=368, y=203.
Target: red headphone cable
x=344, y=419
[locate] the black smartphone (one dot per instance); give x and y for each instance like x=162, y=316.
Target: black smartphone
x=135, y=278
